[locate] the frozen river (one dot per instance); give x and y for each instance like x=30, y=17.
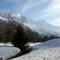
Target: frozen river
x=7, y=50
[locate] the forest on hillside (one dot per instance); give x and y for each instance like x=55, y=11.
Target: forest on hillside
x=9, y=30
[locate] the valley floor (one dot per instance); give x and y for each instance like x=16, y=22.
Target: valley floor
x=49, y=50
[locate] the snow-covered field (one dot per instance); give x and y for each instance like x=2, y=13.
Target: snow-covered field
x=49, y=50
x=7, y=50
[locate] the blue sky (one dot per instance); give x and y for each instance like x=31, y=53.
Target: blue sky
x=48, y=10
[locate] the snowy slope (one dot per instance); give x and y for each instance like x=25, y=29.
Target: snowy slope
x=49, y=44
x=43, y=27
x=49, y=50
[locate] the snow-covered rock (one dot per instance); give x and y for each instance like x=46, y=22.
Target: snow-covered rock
x=49, y=50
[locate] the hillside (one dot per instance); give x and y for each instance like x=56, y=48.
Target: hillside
x=9, y=23
x=8, y=28
x=43, y=27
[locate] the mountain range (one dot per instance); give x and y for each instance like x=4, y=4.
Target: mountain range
x=31, y=27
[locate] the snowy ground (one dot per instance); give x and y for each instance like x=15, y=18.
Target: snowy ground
x=7, y=50
x=6, y=44
x=49, y=50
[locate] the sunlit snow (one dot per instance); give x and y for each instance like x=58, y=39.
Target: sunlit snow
x=49, y=50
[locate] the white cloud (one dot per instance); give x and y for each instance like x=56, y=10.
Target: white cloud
x=31, y=4
x=52, y=12
x=53, y=9
x=18, y=15
x=55, y=22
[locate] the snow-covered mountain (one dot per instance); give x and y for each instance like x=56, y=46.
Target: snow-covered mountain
x=41, y=26
x=9, y=25
x=10, y=16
